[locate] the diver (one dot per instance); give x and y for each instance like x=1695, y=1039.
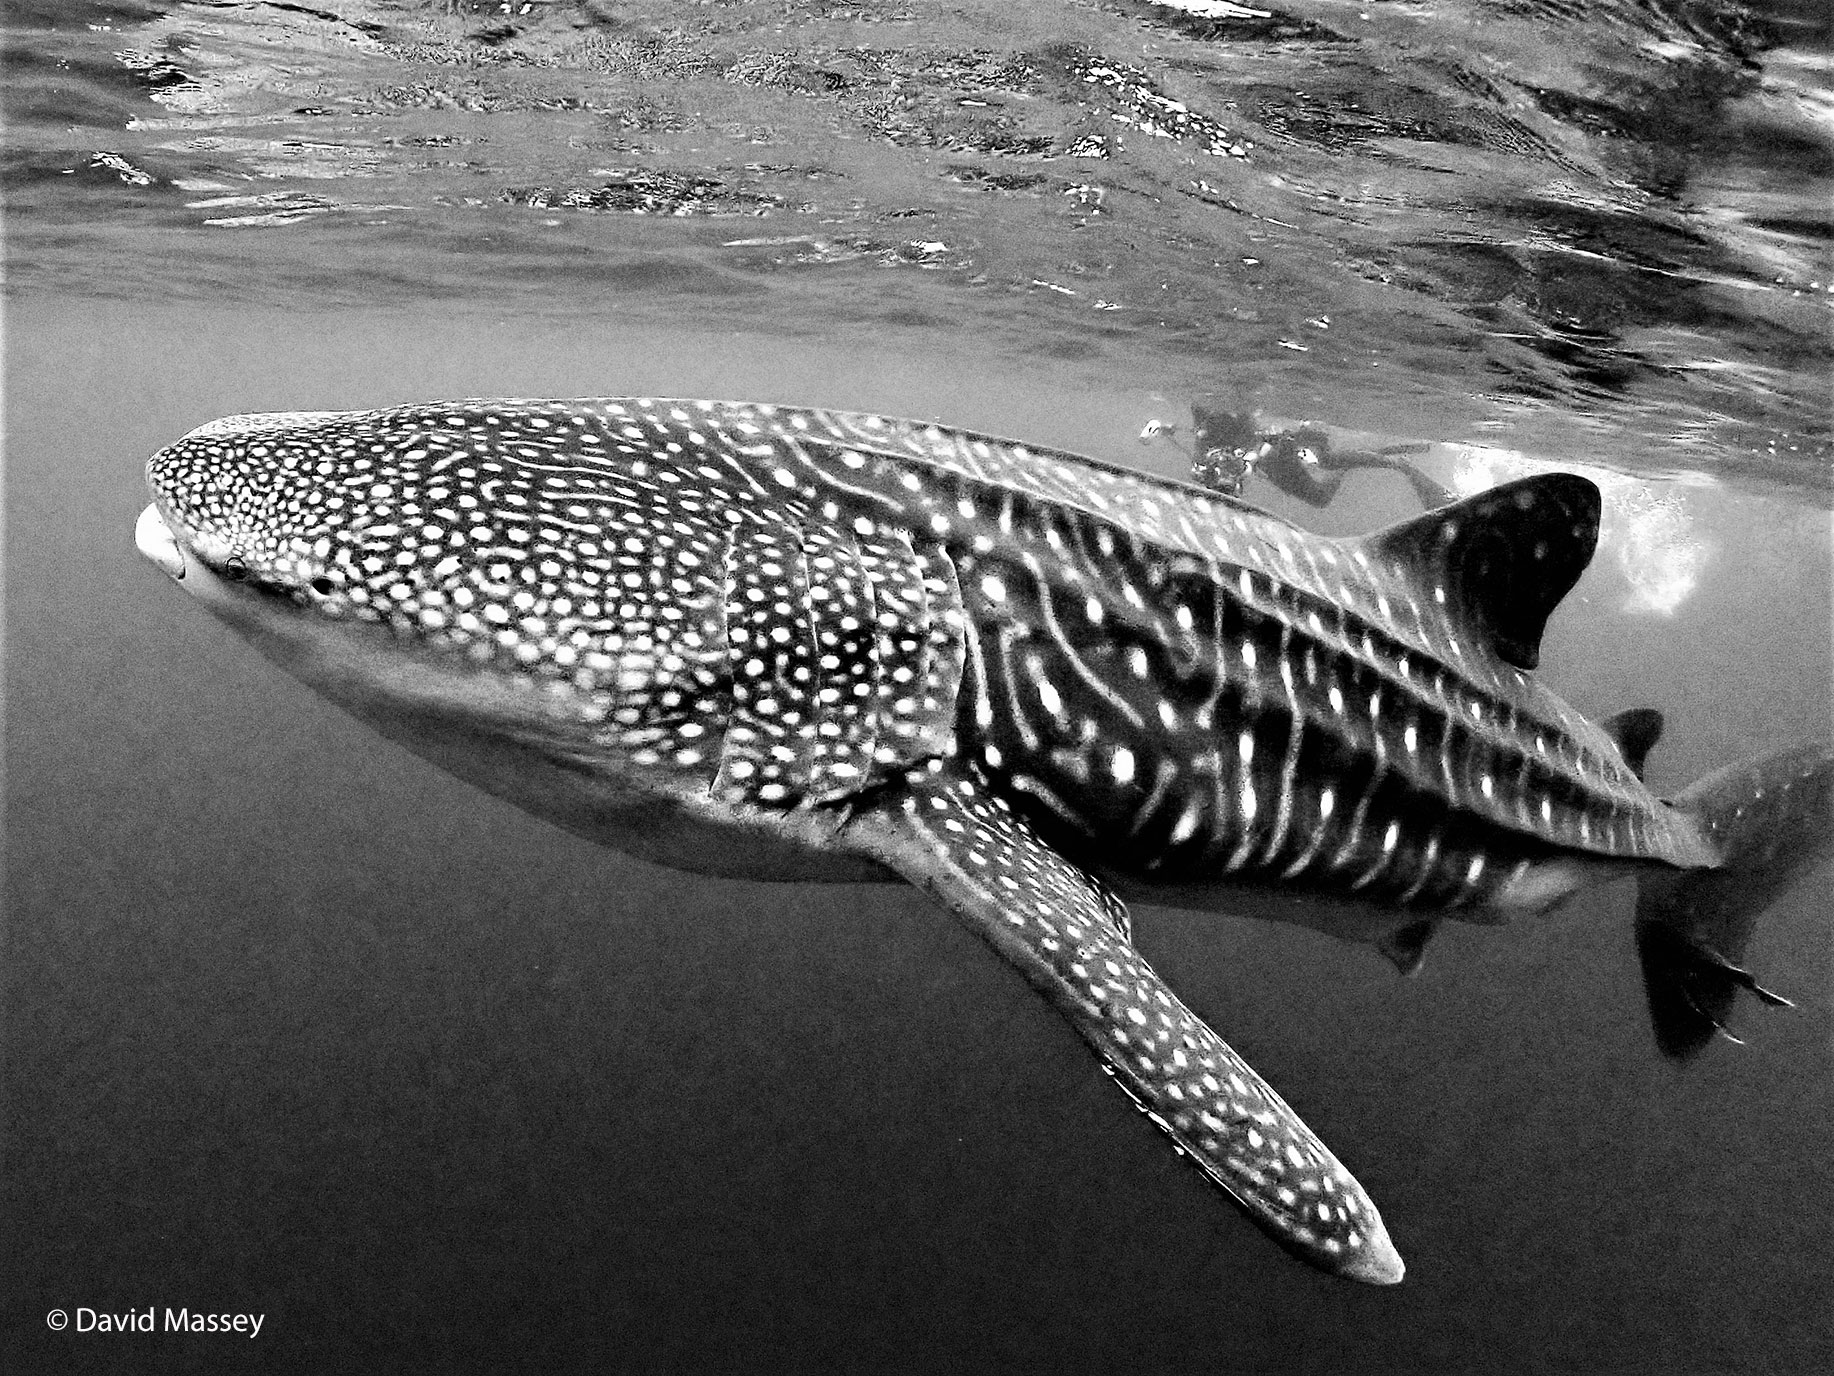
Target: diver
x=1228, y=448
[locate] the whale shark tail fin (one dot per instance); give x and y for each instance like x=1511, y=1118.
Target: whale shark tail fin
x=1769, y=820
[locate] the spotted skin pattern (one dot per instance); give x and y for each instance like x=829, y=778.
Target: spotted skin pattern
x=997, y=671
x=1066, y=932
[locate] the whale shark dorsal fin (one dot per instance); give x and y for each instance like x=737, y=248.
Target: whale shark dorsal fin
x=1500, y=561
x=1634, y=732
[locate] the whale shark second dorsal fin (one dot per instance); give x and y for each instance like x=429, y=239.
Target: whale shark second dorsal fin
x=1501, y=561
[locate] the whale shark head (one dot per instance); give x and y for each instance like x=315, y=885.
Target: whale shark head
x=377, y=573
x=234, y=504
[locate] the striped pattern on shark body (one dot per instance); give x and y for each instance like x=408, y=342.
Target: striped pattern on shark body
x=1238, y=731
x=1207, y=687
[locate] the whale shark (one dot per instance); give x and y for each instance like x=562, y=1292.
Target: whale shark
x=797, y=644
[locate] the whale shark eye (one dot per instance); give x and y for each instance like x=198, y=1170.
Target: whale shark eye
x=323, y=585
x=235, y=569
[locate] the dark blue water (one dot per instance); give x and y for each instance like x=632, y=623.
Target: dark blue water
x=298, y=1026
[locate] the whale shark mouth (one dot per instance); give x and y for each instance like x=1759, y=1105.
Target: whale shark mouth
x=157, y=542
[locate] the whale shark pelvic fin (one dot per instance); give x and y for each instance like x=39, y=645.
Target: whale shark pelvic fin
x=1406, y=946
x=952, y=838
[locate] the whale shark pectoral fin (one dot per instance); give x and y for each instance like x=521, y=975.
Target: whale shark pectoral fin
x=1502, y=560
x=947, y=834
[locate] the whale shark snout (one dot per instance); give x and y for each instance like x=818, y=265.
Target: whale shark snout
x=155, y=540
